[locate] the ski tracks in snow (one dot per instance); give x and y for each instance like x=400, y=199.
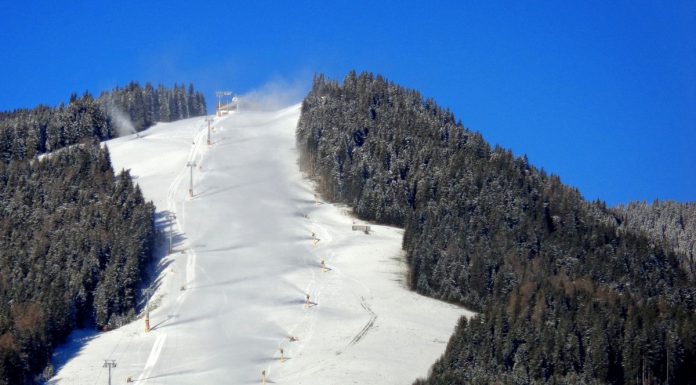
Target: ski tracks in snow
x=190, y=272
x=307, y=324
x=152, y=359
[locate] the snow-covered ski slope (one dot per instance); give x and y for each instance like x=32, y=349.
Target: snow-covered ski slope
x=233, y=291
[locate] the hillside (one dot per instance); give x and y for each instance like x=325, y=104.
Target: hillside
x=76, y=238
x=566, y=295
x=74, y=244
x=671, y=223
x=25, y=133
x=232, y=291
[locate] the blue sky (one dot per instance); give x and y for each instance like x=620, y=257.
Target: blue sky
x=601, y=93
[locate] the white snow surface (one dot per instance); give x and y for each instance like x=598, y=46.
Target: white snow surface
x=232, y=292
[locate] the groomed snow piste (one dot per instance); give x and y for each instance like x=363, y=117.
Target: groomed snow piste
x=233, y=291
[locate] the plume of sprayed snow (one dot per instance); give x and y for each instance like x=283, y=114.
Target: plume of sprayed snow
x=121, y=121
x=274, y=95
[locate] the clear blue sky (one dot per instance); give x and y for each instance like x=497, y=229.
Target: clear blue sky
x=601, y=93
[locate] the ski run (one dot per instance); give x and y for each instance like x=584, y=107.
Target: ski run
x=245, y=276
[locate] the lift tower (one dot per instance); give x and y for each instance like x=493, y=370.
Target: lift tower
x=191, y=165
x=223, y=95
x=109, y=364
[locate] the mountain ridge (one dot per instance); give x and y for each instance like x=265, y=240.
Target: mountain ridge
x=488, y=230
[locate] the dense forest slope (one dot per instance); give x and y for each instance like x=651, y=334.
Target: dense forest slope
x=75, y=239
x=74, y=242
x=25, y=133
x=148, y=105
x=566, y=294
x=669, y=222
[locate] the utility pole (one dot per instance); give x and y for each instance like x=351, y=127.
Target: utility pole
x=172, y=218
x=209, y=120
x=191, y=165
x=109, y=364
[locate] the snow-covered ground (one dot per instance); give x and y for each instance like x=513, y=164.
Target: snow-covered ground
x=232, y=292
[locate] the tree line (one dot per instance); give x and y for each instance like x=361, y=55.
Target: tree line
x=74, y=243
x=566, y=294
x=25, y=133
x=148, y=105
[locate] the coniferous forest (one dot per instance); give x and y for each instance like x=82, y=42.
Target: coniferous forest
x=74, y=245
x=148, y=105
x=25, y=133
x=75, y=238
x=569, y=291
x=665, y=221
